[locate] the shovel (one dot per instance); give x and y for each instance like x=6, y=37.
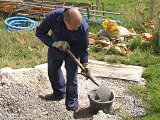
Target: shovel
x=103, y=91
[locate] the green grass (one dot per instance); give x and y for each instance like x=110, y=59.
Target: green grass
x=21, y=49
x=2, y=26
x=133, y=11
x=150, y=94
x=100, y=57
x=148, y=58
x=144, y=54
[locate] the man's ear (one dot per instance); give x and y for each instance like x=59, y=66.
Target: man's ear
x=64, y=21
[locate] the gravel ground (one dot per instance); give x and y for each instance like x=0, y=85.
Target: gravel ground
x=20, y=90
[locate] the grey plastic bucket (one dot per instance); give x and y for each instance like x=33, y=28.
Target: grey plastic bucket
x=96, y=104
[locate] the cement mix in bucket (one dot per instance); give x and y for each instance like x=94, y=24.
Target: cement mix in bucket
x=96, y=104
x=104, y=92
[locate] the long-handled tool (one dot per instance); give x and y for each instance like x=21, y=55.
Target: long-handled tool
x=80, y=65
x=103, y=91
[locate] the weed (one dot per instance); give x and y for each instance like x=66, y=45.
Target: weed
x=100, y=57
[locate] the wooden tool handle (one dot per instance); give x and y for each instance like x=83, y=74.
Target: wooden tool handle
x=75, y=59
x=79, y=64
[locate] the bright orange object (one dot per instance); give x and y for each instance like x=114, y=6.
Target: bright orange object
x=110, y=27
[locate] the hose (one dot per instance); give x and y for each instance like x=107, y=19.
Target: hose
x=20, y=23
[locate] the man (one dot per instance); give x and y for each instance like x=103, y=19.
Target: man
x=69, y=31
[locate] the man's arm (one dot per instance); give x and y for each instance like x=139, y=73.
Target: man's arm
x=83, y=50
x=44, y=27
x=83, y=55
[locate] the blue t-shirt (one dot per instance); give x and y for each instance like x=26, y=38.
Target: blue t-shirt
x=77, y=39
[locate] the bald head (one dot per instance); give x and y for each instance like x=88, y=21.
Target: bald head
x=73, y=18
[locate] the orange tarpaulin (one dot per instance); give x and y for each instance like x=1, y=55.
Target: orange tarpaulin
x=7, y=7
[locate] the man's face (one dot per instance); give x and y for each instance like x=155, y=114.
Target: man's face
x=72, y=26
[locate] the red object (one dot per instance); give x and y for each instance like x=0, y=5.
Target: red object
x=147, y=37
x=148, y=24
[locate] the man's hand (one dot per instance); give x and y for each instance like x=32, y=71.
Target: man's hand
x=87, y=72
x=61, y=45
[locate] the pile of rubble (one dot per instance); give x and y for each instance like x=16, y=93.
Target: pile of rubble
x=115, y=39
x=20, y=90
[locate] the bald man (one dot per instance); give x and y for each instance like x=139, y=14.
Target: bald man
x=69, y=31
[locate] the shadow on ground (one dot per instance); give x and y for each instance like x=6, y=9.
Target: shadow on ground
x=83, y=113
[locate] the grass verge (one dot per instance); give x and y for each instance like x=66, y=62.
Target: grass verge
x=21, y=49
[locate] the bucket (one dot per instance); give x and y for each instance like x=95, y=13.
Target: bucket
x=96, y=104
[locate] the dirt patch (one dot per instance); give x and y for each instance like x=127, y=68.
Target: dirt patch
x=20, y=90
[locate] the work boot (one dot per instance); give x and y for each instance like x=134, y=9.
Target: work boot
x=72, y=108
x=53, y=97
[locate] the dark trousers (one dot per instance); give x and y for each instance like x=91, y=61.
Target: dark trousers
x=59, y=86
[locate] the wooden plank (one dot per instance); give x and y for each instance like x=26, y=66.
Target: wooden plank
x=22, y=9
x=31, y=16
x=116, y=71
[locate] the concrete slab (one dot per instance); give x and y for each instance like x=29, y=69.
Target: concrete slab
x=116, y=71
